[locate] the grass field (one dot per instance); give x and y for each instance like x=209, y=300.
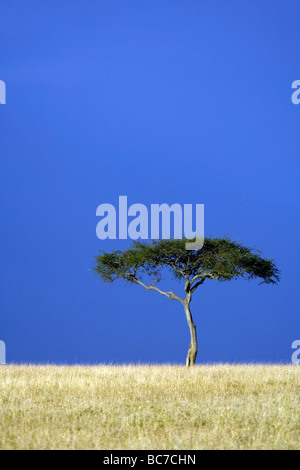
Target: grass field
x=150, y=407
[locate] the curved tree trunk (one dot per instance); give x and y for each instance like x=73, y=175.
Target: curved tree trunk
x=192, y=352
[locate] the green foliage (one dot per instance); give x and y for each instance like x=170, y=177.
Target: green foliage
x=219, y=259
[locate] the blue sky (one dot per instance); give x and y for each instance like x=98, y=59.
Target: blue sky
x=162, y=101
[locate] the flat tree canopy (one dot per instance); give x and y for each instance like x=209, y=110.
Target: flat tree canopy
x=220, y=259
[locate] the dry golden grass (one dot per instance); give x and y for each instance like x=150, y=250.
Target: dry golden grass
x=149, y=407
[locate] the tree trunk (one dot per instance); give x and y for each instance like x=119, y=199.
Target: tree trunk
x=192, y=352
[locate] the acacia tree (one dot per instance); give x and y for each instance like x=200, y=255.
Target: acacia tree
x=219, y=259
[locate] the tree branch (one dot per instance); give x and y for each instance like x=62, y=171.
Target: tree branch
x=170, y=294
x=197, y=285
x=192, y=287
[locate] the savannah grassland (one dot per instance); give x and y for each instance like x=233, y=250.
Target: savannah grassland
x=150, y=407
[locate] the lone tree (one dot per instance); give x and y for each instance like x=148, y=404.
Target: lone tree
x=219, y=259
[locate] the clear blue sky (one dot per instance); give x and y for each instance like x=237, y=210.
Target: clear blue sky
x=162, y=101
